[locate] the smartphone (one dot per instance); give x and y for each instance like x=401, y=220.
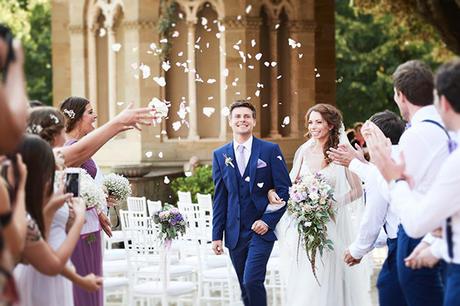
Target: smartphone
x=72, y=181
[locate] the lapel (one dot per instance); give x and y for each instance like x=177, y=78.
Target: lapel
x=231, y=170
x=255, y=152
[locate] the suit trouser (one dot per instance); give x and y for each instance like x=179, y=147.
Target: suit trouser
x=389, y=289
x=249, y=258
x=421, y=287
x=452, y=297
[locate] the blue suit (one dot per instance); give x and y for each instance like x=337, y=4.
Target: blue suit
x=239, y=201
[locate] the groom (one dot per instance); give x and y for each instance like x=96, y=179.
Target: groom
x=243, y=171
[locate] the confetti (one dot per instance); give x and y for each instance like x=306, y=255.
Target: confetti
x=267, y=64
x=175, y=34
x=102, y=32
x=116, y=47
x=247, y=179
x=145, y=71
x=180, y=53
x=264, y=105
x=160, y=107
x=257, y=93
x=210, y=98
x=251, y=67
x=182, y=111
x=148, y=154
x=166, y=66
x=188, y=173
x=293, y=43
x=260, y=85
x=225, y=73
x=279, y=77
x=225, y=111
x=211, y=81
x=253, y=43
x=279, y=157
x=120, y=103
x=164, y=41
x=277, y=26
x=300, y=55
x=239, y=17
x=204, y=21
x=166, y=180
x=208, y=111
x=317, y=75
x=286, y=120
x=160, y=154
x=160, y=81
x=176, y=125
x=248, y=9
x=260, y=185
x=274, y=64
x=258, y=56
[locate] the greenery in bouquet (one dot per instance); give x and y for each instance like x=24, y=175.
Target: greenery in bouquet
x=90, y=192
x=171, y=222
x=117, y=186
x=311, y=204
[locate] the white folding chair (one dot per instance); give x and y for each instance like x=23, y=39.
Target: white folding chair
x=137, y=204
x=184, y=196
x=153, y=207
x=205, y=221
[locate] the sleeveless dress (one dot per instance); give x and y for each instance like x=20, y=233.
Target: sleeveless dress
x=36, y=288
x=339, y=285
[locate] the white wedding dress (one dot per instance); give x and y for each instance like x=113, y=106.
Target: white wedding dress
x=339, y=285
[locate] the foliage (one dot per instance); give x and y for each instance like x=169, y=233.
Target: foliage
x=30, y=22
x=199, y=182
x=171, y=222
x=368, y=50
x=167, y=21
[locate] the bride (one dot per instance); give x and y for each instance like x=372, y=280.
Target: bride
x=339, y=285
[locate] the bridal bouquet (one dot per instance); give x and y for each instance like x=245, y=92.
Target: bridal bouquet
x=90, y=192
x=117, y=186
x=310, y=202
x=171, y=222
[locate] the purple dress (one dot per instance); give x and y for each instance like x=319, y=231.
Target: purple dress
x=87, y=256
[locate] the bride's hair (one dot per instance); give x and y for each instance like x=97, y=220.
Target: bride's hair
x=333, y=118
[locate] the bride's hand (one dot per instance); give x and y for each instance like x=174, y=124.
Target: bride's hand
x=273, y=198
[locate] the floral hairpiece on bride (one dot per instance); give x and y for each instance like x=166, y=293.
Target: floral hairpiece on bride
x=228, y=161
x=70, y=113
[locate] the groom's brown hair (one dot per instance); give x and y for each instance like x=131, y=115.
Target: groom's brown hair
x=243, y=103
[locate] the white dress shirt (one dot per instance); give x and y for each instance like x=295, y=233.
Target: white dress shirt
x=425, y=149
x=377, y=212
x=247, y=150
x=420, y=215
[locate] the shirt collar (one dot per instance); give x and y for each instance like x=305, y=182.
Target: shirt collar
x=426, y=112
x=247, y=144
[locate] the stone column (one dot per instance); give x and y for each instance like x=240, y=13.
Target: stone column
x=112, y=71
x=193, y=128
x=77, y=60
x=274, y=133
x=293, y=81
x=92, y=65
x=223, y=81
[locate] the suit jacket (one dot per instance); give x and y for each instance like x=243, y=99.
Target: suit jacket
x=267, y=170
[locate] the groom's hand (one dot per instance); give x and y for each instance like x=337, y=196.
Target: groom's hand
x=350, y=260
x=217, y=247
x=260, y=227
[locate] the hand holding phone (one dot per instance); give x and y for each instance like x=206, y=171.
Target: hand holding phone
x=72, y=181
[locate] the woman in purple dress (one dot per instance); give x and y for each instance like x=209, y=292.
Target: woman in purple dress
x=80, y=120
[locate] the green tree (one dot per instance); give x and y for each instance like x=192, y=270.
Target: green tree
x=368, y=50
x=30, y=21
x=199, y=182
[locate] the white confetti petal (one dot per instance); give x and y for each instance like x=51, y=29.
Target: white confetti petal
x=188, y=173
x=260, y=185
x=286, y=120
x=145, y=71
x=166, y=66
x=160, y=154
x=120, y=103
x=116, y=47
x=161, y=108
x=166, y=180
x=218, y=35
x=160, y=81
x=277, y=26
x=102, y=32
x=257, y=93
x=253, y=43
x=251, y=67
x=317, y=75
x=300, y=55
x=258, y=56
x=293, y=43
x=274, y=64
x=264, y=105
x=208, y=111
x=182, y=111
x=176, y=125
x=225, y=111
x=247, y=179
x=279, y=157
x=134, y=66
x=260, y=85
x=248, y=9
x=204, y=21
x=175, y=34
x=164, y=41
x=226, y=72
x=279, y=77
x=148, y=154
x=211, y=81
x=180, y=53
x=153, y=46
x=239, y=17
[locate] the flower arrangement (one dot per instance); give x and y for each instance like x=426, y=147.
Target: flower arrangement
x=172, y=223
x=117, y=186
x=90, y=192
x=311, y=203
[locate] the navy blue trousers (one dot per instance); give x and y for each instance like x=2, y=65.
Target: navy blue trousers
x=422, y=287
x=249, y=258
x=452, y=297
x=389, y=289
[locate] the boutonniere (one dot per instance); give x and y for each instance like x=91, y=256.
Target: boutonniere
x=228, y=161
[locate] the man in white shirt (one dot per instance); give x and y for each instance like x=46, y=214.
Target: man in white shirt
x=440, y=206
x=377, y=213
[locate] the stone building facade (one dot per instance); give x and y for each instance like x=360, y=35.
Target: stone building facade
x=280, y=54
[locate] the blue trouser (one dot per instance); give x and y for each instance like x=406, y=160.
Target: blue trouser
x=249, y=258
x=421, y=287
x=452, y=297
x=389, y=289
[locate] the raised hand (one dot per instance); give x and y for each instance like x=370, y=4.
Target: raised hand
x=131, y=118
x=345, y=153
